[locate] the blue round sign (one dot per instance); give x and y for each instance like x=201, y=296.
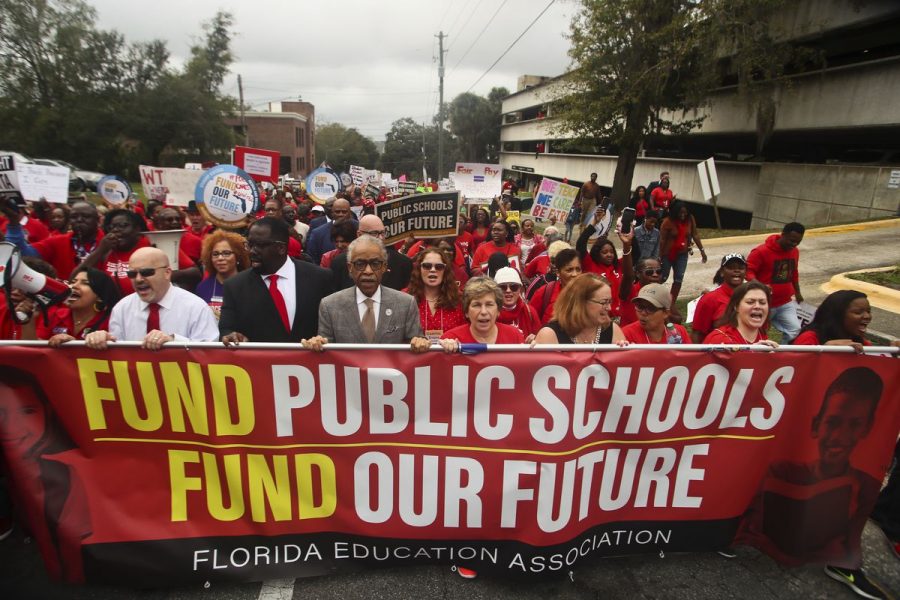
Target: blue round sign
x=323, y=184
x=227, y=196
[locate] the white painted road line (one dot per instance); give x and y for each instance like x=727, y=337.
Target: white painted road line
x=277, y=589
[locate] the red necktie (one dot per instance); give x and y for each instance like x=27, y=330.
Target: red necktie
x=278, y=299
x=153, y=317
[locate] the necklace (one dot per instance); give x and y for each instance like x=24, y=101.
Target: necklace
x=589, y=340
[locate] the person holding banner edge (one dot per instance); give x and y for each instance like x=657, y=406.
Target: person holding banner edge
x=582, y=315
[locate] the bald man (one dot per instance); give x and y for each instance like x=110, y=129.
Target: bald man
x=157, y=312
x=320, y=240
x=399, y=266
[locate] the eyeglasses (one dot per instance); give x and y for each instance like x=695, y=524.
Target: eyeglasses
x=261, y=245
x=222, y=254
x=510, y=287
x=148, y=272
x=120, y=225
x=646, y=309
x=433, y=266
x=373, y=233
x=600, y=302
x=649, y=272
x=361, y=264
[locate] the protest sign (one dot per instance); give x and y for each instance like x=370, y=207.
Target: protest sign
x=114, y=190
x=172, y=186
x=323, y=184
x=8, y=180
x=260, y=164
x=357, y=174
x=227, y=197
x=407, y=187
x=805, y=313
x=42, y=181
x=197, y=464
x=372, y=191
x=429, y=215
x=513, y=216
x=477, y=181
x=554, y=199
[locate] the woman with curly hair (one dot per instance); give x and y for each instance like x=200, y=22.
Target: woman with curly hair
x=436, y=291
x=223, y=255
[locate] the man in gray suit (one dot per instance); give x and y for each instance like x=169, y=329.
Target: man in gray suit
x=368, y=313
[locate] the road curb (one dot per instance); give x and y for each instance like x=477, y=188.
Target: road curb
x=818, y=231
x=880, y=296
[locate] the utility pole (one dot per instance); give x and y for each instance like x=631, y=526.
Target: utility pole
x=440, y=161
x=243, y=121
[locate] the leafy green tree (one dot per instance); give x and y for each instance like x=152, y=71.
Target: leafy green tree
x=342, y=146
x=634, y=62
x=410, y=145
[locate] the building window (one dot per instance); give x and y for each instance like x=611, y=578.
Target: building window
x=301, y=163
x=298, y=137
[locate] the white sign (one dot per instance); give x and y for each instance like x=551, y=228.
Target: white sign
x=805, y=313
x=477, y=180
x=894, y=179
x=257, y=164
x=194, y=166
x=41, y=181
x=173, y=186
x=357, y=174
x=709, y=179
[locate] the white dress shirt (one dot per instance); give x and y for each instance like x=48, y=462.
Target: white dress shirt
x=287, y=285
x=181, y=314
x=361, y=304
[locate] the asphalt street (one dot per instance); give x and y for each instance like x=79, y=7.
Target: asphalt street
x=751, y=575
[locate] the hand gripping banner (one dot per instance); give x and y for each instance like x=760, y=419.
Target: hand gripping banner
x=201, y=463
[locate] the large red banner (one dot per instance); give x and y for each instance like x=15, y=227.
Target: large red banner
x=196, y=464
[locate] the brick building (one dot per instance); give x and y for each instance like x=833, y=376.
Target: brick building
x=288, y=128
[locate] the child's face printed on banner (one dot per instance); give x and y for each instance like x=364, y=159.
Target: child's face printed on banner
x=843, y=424
x=22, y=419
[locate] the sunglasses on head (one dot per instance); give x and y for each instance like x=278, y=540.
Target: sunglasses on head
x=510, y=287
x=148, y=272
x=427, y=266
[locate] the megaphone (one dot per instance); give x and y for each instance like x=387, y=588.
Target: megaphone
x=168, y=241
x=14, y=273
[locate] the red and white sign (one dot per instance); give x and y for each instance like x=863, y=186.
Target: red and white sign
x=260, y=164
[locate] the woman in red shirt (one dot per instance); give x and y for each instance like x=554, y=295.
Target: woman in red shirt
x=602, y=258
x=841, y=320
x=677, y=231
x=87, y=309
x=499, y=242
x=745, y=318
x=711, y=305
x=436, y=291
x=567, y=266
x=482, y=299
x=652, y=305
x=480, y=228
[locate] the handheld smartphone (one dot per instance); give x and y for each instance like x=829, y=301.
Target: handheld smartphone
x=627, y=219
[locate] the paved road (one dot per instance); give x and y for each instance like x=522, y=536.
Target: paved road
x=677, y=577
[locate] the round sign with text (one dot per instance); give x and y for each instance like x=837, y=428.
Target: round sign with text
x=114, y=190
x=323, y=184
x=227, y=197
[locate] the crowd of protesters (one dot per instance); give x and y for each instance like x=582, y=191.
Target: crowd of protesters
x=301, y=269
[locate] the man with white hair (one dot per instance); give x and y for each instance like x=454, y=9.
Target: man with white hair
x=157, y=312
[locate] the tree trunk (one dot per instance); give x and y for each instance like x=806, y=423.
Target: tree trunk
x=629, y=148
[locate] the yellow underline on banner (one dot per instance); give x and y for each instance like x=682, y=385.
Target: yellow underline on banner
x=749, y=438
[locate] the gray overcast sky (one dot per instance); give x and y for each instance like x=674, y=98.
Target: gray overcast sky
x=362, y=63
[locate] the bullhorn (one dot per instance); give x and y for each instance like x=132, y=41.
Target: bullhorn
x=168, y=241
x=14, y=273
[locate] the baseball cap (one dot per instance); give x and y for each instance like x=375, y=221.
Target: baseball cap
x=735, y=256
x=507, y=275
x=656, y=294
x=317, y=208
x=192, y=207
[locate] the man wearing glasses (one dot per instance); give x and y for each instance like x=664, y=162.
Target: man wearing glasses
x=368, y=313
x=277, y=299
x=157, y=312
x=399, y=266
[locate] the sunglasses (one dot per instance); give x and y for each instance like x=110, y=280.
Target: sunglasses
x=647, y=309
x=148, y=272
x=510, y=287
x=433, y=266
x=649, y=272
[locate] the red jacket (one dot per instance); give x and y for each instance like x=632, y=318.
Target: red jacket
x=775, y=267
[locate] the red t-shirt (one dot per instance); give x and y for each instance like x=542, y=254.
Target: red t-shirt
x=809, y=338
x=116, y=264
x=506, y=334
x=523, y=317
x=635, y=334
x=485, y=250
x=59, y=251
x=627, y=314
x=710, y=307
x=59, y=320
x=726, y=334
x=539, y=265
x=191, y=245
x=612, y=276
x=661, y=198
x=537, y=301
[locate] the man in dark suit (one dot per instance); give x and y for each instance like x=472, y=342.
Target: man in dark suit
x=368, y=313
x=320, y=240
x=277, y=299
x=399, y=266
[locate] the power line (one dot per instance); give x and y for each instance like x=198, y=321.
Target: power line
x=463, y=28
x=458, y=15
x=521, y=35
x=488, y=24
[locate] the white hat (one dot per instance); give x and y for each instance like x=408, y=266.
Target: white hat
x=507, y=275
x=317, y=208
